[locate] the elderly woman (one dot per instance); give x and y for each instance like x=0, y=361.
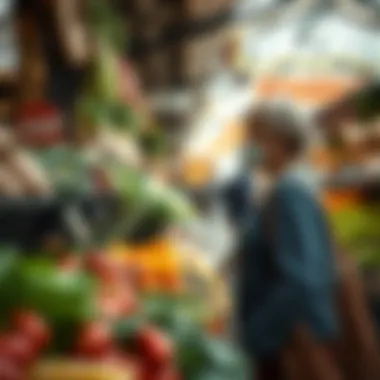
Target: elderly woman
x=287, y=281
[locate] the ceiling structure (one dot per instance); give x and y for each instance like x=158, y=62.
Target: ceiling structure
x=315, y=36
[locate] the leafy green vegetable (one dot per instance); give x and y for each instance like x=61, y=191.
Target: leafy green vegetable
x=203, y=357
x=58, y=295
x=149, y=206
x=357, y=228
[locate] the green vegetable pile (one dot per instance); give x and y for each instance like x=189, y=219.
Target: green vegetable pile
x=66, y=299
x=357, y=229
x=150, y=206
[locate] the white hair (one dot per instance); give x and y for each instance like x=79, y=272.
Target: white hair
x=282, y=119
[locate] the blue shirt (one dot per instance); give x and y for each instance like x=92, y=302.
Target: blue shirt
x=286, y=271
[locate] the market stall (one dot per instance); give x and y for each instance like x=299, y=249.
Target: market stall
x=103, y=284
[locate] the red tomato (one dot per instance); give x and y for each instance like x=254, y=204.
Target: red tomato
x=94, y=341
x=17, y=349
x=155, y=346
x=33, y=327
x=9, y=371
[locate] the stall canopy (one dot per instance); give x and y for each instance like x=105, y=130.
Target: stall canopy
x=325, y=41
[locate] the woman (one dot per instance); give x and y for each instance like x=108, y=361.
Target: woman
x=287, y=279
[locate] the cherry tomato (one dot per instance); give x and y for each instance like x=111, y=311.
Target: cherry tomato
x=17, y=349
x=154, y=346
x=33, y=327
x=94, y=341
x=9, y=371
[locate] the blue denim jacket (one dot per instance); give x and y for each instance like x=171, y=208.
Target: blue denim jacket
x=286, y=271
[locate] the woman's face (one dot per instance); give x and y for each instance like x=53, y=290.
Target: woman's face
x=268, y=148
x=273, y=152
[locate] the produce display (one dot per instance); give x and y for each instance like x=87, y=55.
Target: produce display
x=75, y=314
x=353, y=201
x=122, y=299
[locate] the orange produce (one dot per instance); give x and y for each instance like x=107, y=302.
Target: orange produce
x=155, y=264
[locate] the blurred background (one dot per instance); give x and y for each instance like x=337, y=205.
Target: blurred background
x=122, y=123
